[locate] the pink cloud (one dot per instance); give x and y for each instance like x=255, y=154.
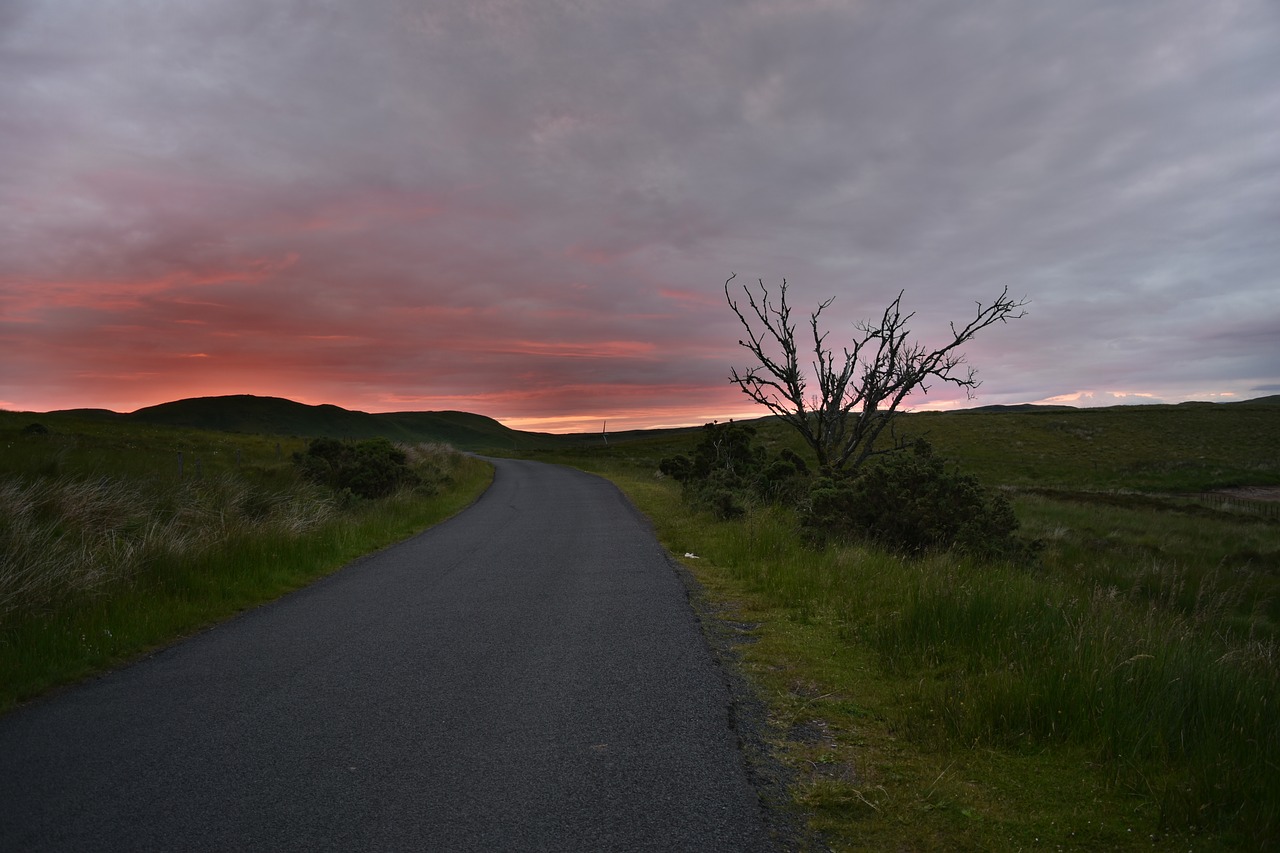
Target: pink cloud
x=690, y=297
x=589, y=349
x=530, y=213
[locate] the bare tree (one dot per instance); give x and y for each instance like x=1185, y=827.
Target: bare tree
x=859, y=393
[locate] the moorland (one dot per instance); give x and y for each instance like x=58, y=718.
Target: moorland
x=1113, y=688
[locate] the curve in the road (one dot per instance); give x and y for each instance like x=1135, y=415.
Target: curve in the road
x=525, y=676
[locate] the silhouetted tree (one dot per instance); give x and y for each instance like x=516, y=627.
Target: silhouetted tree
x=859, y=392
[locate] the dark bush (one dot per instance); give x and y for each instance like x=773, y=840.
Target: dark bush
x=724, y=448
x=785, y=480
x=367, y=469
x=678, y=468
x=728, y=471
x=910, y=502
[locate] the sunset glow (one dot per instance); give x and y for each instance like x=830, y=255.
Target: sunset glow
x=529, y=211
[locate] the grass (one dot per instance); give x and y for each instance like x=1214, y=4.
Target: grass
x=107, y=552
x=1186, y=448
x=1120, y=693
x=1216, y=567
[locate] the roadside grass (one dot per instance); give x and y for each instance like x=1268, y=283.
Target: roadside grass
x=941, y=704
x=1120, y=693
x=105, y=553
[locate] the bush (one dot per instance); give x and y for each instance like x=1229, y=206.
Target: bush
x=907, y=501
x=911, y=503
x=725, y=449
x=728, y=472
x=785, y=480
x=367, y=469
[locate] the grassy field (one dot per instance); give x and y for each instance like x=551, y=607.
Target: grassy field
x=1118, y=693
x=119, y=537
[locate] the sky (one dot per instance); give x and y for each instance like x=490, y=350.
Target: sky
x=528, y=210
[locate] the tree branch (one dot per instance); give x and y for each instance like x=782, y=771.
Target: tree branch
x=843, y=422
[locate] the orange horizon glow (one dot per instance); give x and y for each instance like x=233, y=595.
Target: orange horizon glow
x=510, y=410
x=669, y=417
x=725, y=407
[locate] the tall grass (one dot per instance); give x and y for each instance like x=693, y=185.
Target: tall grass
x=1178, y=715
x=1220, y=569
x=1159, y=684
x=67, y=536
x=97, y=568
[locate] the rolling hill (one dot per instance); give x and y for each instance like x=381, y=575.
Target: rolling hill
x=246, y=413
x=251, y=414
x=980, y=430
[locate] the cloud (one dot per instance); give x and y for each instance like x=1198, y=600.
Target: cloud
x=533, y=207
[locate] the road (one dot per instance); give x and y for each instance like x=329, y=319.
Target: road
x=526, y=676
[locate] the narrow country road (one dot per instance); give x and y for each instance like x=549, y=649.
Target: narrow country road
x=526, y=676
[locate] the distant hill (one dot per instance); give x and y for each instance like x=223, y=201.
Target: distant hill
x=261, y=415
x=1020, y=407
x=89, y=414
x=247, y=413
x=1273, y=400
x=251, y=414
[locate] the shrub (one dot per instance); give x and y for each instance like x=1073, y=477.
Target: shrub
x=911, y=503
x=678, y=468
x=728, y=471
x=367, y=469
x=725, y=449
x=785, y=480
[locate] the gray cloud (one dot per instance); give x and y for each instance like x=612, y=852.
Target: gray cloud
x=545, y=173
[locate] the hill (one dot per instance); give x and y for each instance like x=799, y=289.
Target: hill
x=983, y=436
x=255, y=415
x=247, y=413
x=1018, y=407
x=1273, y=400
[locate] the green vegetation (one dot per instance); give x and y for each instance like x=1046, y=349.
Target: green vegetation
x=117, y=537
x=912, y=502
x=1116, y=691
x=727, y=470
x=373, y=468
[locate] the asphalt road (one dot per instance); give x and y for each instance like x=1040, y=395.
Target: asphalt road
x=527, y=676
